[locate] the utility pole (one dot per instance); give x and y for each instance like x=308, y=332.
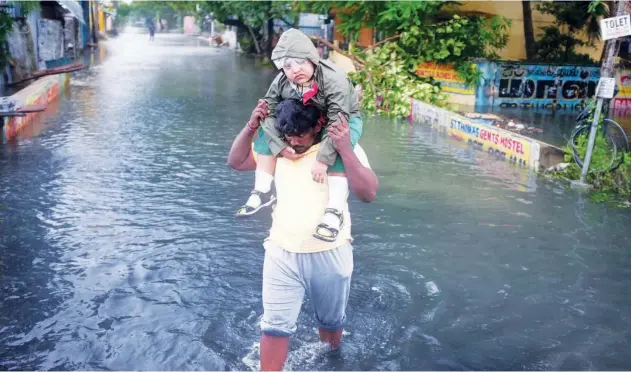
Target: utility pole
x=607, y=71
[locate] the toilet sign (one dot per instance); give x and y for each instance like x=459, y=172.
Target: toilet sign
x=612, y=28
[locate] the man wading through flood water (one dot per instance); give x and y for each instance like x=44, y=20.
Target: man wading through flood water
x=296, y=263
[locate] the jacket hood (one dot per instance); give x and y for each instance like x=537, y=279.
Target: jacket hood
x=295, y=44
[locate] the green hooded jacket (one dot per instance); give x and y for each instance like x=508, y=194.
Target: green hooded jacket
x=335, y=94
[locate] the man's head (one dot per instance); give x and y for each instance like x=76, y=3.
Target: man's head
x=298, y=124
x=296, y=54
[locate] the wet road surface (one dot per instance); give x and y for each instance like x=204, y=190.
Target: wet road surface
x=119, y=250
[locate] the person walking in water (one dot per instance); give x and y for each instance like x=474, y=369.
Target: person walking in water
x=151, y=27
x=306, y=77
x=296, y=263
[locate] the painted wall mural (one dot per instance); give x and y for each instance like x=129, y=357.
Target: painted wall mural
x=515, y=85
x=446, y=75
x=621, y=104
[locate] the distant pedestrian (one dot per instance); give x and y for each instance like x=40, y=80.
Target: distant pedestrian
x=151, y=27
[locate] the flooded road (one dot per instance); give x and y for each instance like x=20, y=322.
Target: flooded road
x=119, y=250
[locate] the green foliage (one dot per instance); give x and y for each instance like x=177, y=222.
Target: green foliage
x=598, y=8
x=422, y=32
x=251, y=16
x=246, y=43
x=6, y=26
x=169, y=10
x=389, y=17
x=251, y=13
x=573, y=19
x=556, y=47
x=609, y=185
x=387, y=85
x=28, y=6
x=576, y=16
x=452, y=42
x=601, y=155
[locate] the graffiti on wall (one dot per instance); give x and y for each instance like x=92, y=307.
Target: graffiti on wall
x=514, y=85
x=446, y=75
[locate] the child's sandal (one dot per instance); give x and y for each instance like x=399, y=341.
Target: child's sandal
x=266, y=199
x=327, y=233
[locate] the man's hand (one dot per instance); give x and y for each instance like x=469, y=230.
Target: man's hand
x=338, y=131
x=290, y=154
x=319, y=172
x=260, y=112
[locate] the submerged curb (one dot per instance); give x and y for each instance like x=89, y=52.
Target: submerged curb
x=497, y=142
x=42, y=91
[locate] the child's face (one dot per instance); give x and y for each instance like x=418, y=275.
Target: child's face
x=298, y=70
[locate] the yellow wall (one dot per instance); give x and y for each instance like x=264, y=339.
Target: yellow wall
x=101, y=20
x=515, y=49
x=341, y=61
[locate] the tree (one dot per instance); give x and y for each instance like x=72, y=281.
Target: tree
x=529, y=38
x=251, y=18
x=172, y=11
x=416, y=32
x=573, y=19
x=182, y=9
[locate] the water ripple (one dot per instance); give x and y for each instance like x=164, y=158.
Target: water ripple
x=118, y=248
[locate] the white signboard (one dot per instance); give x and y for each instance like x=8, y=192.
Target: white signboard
x=612, y=28
x=605, y=88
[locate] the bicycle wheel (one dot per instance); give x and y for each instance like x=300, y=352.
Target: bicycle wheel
x=606, y=154
x=614, y=130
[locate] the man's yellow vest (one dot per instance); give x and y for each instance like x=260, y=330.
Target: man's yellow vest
x=301, y=204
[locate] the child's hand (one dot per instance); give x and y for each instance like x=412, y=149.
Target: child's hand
x=290, y=154
x=319, y=172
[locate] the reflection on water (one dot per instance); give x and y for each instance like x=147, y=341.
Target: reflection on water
x=120, y=250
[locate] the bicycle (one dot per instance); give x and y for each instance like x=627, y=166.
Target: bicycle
x=611, y=139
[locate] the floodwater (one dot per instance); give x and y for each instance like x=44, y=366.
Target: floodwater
x=119, y=250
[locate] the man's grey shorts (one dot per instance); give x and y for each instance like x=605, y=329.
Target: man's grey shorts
x=324, y=276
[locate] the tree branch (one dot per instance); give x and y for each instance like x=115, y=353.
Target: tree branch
x=254, y=39
x=291, y=24
x=357, y=62
x=390, y=38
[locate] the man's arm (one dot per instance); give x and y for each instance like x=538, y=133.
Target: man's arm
x=362, y=180
x=240, y=156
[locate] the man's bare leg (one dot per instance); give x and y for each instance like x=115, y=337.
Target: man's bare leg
x=273, y=352
x=333, y=338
